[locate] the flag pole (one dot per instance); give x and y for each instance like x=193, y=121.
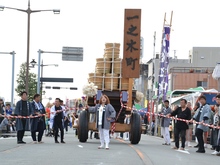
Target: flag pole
x=152, y=82
x=158, y=97
x=171, y=19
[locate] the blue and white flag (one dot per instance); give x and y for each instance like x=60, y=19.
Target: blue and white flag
x=164, y=64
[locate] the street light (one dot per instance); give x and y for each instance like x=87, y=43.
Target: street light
x=33, y=63
x=12, y=75
x=2, y=8
x=40, y=83
x=28, y=11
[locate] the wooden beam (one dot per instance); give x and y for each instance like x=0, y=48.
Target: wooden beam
x=130, y=87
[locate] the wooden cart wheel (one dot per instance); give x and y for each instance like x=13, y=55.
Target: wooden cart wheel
x=83, y=126
x=135, y=132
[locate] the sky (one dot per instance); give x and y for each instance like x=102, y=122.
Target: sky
x=90, y=24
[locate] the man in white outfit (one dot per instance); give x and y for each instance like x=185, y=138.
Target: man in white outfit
x=165, y=123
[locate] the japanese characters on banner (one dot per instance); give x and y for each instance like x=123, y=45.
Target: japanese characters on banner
x=131, y=57
x=164, y=64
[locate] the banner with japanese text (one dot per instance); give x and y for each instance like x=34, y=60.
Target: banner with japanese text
x=131, y=54
x=164, y=64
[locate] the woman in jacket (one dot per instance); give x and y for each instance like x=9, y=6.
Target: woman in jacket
x=104, y=114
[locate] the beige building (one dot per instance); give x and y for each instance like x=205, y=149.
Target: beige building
x=188, y=77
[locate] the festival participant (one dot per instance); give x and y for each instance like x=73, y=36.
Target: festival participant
x=214, y=134
x=56, y=120
x=23, y=108
x=1, y=110
x=66, y=112
x=127, y=121
x=80, y=109
x=182, y=112
x=202, y=115
x=190, y=130
x=48, y=106
x=8, y=110
x=104, y=113
x=38, y=124
x=195, y=108
x=217, y=122
x=165, y=123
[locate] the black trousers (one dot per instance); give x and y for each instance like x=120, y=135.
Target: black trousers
x=199, y=135
x=180, y=133
x=20, y=133
x=66, y=125
x=58, y=125
x=217, y=148
x=40, y=131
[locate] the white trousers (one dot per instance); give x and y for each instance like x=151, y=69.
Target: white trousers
x=104, y=137
x=126, y=136
x=166, y=134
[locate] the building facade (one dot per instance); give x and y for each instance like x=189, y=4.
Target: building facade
x=187, y=77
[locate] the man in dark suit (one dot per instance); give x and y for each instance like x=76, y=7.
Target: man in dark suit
x=23, y=109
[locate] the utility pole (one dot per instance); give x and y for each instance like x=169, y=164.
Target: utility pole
x=152, y=82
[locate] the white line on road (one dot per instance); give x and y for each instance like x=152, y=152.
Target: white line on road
x=186, y=152
x=80, y=146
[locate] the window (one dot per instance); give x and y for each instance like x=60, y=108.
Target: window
x=203, y=84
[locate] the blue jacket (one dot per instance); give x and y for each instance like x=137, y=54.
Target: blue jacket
x=34, y=121
x=205, y=114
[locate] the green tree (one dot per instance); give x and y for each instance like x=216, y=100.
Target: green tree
x=32, y=85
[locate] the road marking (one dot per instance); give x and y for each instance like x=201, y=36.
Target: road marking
x=80, y=146
x=186, y=152
x=139, y=153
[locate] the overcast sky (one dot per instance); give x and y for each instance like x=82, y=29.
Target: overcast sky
x=90, y=24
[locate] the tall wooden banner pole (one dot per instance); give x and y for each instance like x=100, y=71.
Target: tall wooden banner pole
x=130, y=87
x=171, y=19
x=156, y=131
x=131, y=53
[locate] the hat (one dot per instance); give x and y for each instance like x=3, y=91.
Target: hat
x=80, y=105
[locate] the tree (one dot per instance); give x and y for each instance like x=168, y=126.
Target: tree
x=21, y=80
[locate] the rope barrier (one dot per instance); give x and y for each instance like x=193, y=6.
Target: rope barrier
x=175, y=118
x=113, y=125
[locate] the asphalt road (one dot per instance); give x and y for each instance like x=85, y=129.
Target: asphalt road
x=149, y=151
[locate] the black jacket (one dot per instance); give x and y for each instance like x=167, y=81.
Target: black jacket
x=186, y=114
